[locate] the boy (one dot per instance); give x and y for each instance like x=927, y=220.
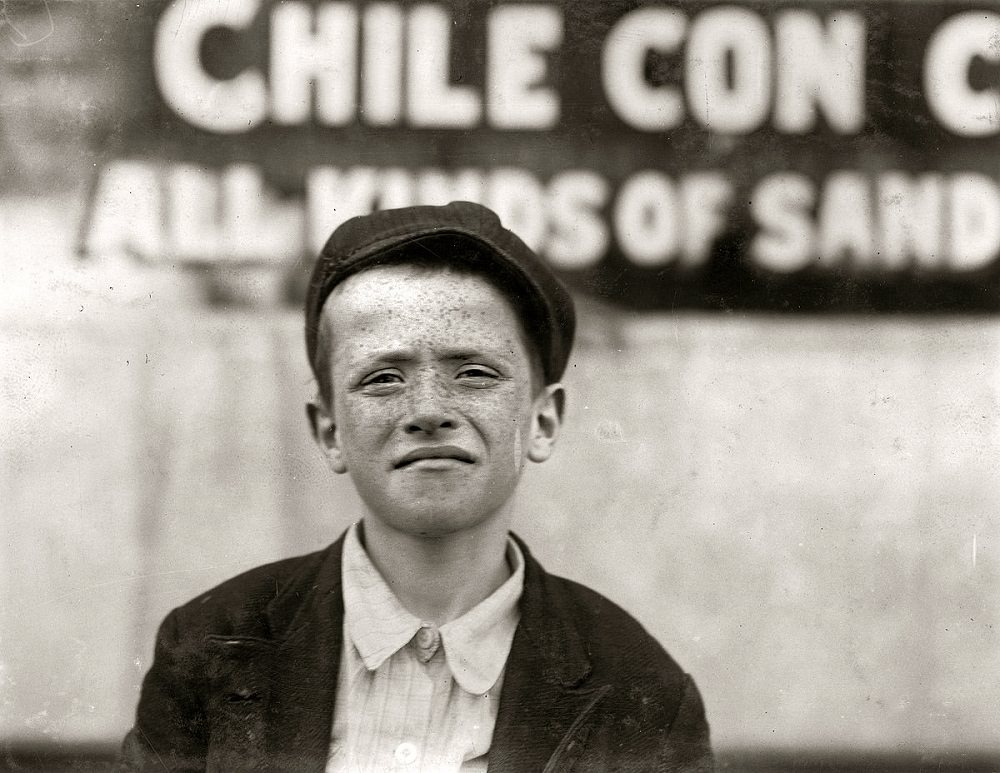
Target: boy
x=427, y=638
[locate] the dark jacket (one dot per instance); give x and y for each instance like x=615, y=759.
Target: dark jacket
x=245, y=676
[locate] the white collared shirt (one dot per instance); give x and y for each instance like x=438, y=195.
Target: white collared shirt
x=412, y=696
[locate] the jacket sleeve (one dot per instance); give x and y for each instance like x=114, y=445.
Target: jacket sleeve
x=686, y=748
x=170, y=719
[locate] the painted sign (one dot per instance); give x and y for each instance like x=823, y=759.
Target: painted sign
x=742, y=155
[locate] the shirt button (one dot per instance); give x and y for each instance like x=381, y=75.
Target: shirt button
x=406, y=753
x=425, y=637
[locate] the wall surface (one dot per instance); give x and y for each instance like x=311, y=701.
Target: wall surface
x=802, y=509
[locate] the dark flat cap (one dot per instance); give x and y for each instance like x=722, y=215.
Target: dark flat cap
x=390, y=235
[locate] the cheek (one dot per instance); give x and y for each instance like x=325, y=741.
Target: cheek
x=361, y=425
x=509, y=418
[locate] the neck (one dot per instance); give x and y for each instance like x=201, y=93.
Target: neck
x=439, y=578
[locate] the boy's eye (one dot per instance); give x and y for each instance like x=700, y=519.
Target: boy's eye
x=478, y=372
x=382, y=378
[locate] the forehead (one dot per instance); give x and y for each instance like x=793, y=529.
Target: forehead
x=418, y=304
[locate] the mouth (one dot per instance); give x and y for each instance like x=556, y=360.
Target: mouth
x=435, y=454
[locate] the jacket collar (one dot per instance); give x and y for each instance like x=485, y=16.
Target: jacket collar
x=308, y=597
x=547, y=696
x=306, y=620
x=548, y=627
x=313, y=601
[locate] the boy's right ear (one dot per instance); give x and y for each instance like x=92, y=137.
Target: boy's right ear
x=324, y=431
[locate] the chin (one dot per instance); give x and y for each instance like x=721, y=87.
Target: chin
x=435, y=522
x=435, y=519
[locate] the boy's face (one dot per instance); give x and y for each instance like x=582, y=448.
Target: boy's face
x=433, y=413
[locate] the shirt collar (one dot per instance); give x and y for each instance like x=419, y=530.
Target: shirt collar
x=476, y=645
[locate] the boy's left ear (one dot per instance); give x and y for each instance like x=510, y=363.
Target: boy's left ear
x=324, y=431
x=546, y=420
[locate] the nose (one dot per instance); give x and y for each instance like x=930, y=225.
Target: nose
x=430, y=408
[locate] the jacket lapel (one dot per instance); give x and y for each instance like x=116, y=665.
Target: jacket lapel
x=306, y=619
x=547, y=701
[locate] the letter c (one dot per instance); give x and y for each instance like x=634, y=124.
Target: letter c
x=953, y=101
x=226, y=106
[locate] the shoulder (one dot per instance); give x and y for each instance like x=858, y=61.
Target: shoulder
x=650, y=707
x=616, y=642
x=239, y=605
x=594, y=630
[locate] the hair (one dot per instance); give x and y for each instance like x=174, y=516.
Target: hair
x=437, y=254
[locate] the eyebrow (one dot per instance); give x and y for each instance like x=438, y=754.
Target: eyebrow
x=391, y=355
x=404, y=355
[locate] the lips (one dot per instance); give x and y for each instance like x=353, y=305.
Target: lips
x=435, y=452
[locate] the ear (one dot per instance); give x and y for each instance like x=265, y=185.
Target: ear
x=324, y=431
x=546, y=420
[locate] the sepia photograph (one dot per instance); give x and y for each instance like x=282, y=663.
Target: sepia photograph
x=442, y=386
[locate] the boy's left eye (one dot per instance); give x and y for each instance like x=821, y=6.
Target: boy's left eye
x=478, y=372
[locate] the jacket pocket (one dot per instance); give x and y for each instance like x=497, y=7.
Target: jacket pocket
x=239, y=692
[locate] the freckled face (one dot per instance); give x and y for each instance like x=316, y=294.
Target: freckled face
x=432, y=412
